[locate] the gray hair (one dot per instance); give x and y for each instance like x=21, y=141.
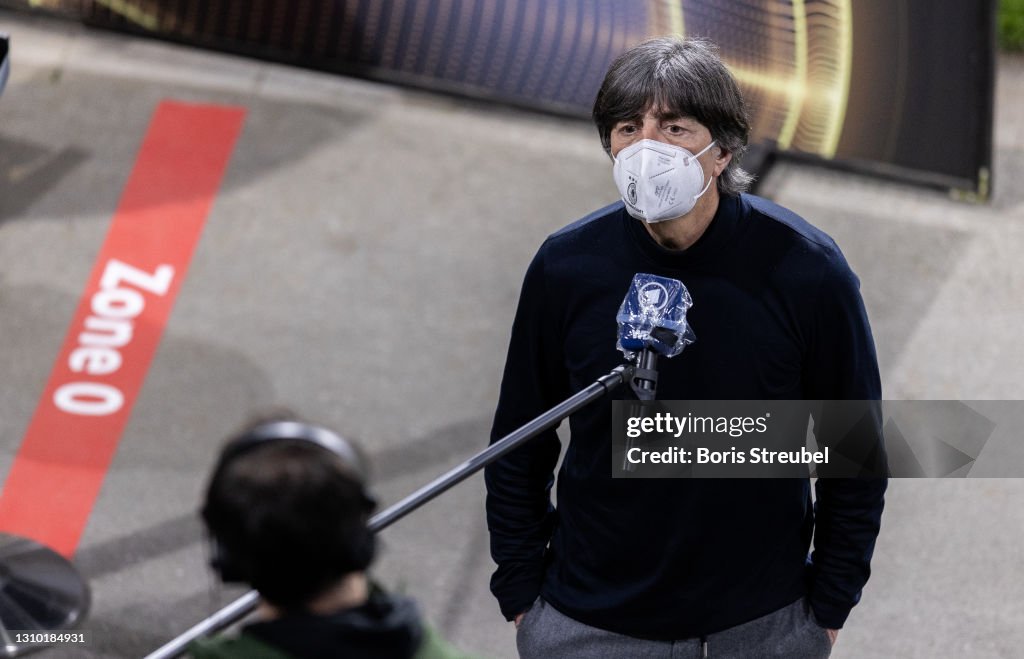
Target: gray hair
x=679, y=78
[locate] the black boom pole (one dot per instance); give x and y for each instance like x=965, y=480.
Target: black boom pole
x=247, y=603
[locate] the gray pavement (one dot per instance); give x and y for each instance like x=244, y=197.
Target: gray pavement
x=361, y=265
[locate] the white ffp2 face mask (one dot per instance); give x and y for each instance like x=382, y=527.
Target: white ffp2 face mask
x=659, y=181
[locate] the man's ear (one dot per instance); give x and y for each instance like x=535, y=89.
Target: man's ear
x=722, y=161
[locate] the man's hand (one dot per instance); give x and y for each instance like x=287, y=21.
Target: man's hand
x=832, y=633
x=519, y=618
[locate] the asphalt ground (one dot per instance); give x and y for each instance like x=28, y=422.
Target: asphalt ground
x=361, y=265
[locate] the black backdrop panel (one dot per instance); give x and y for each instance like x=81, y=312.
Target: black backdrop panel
x=902, y=88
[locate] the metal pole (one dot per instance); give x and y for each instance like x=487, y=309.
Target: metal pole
x=247, y=603
x=231, y=613
x=496, y=450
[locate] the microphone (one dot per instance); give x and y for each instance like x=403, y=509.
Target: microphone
x=652, y=323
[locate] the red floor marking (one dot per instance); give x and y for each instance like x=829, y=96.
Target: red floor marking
x=73, y=435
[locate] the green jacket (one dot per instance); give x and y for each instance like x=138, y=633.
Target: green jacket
x=385, y=626
x=247, y=647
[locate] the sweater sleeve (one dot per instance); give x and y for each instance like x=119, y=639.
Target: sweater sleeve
x=842, y=365
x=520, y=517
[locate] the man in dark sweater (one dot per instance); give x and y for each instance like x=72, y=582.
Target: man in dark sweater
x=639, y=567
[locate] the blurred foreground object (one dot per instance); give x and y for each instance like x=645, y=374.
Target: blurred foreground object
x=40, y=591
x=5, y=60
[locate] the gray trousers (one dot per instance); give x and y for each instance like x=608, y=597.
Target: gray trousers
x=790, y=633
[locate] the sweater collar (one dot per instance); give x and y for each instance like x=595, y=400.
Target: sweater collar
x=718, y=233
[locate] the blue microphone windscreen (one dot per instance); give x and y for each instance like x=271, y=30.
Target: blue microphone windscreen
x=654, y=301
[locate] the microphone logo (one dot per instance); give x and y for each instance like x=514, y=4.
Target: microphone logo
x=654, y=297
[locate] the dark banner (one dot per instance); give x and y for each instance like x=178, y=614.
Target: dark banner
x=902, y=88
x=825, y=439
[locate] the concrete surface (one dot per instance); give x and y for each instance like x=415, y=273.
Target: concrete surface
x=361, y=265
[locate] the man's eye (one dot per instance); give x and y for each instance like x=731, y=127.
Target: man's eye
x=627, y=130
x=675, y=130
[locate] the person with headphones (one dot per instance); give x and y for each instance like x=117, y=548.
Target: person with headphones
x=286, y=510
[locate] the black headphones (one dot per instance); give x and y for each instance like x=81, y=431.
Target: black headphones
x=232, y=567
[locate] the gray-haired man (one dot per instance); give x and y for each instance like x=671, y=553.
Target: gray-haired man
x=680, y=567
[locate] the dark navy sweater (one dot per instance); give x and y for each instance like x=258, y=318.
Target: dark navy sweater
x=778, y=315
